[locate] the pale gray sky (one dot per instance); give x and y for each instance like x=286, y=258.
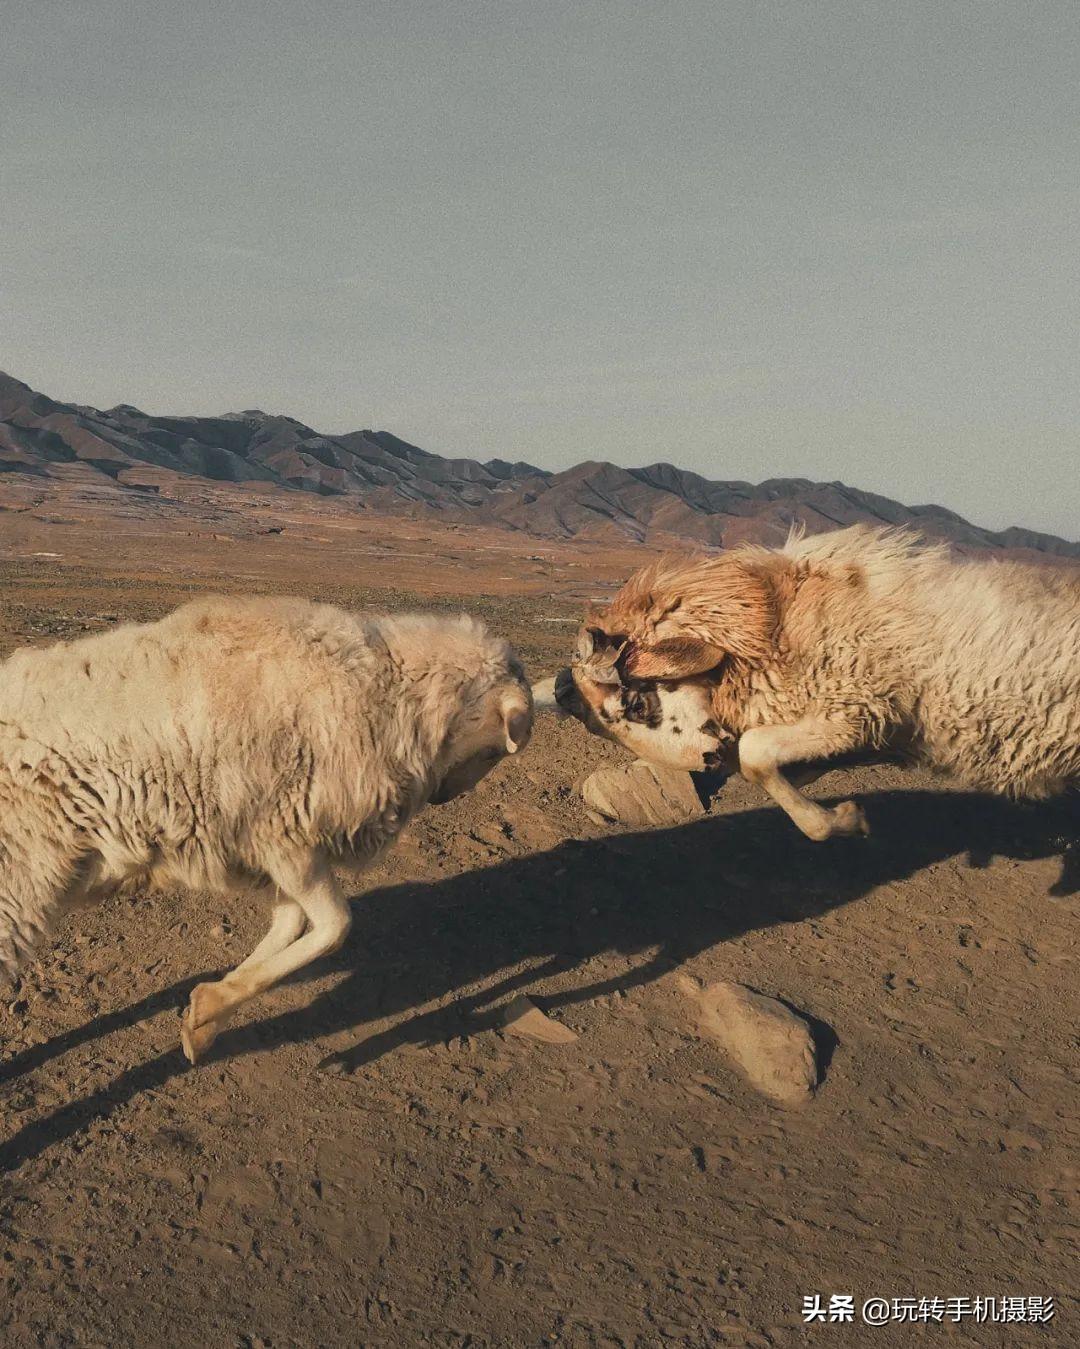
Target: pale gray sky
x=836, y=240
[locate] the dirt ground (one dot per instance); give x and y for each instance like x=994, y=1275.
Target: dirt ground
x=366, y=1159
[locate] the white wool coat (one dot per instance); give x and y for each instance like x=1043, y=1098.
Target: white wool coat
x=193, y=749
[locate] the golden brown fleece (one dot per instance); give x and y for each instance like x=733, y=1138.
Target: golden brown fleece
x=861, y=639
x=238, y=742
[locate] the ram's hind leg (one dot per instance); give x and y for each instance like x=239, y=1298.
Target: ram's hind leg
x=311, y=895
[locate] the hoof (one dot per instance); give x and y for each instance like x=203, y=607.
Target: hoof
x=196, y=1040
x=848, y=818
x=199, y=1025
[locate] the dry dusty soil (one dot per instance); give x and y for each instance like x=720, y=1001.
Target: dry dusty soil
x=367, y=1159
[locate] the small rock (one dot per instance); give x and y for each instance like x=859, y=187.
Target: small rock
x=521, y=1016
x=771, y=1044
x=1013, y=1140
x=641, y=794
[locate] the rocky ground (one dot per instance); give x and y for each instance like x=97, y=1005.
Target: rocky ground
x=373, y=1156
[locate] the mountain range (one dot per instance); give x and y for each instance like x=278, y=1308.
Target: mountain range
x=659, y=505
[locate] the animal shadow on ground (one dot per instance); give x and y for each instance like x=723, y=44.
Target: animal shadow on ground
x=668, y=894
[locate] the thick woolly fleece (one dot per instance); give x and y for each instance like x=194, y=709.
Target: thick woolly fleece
x=972, y=664
x=224, y=745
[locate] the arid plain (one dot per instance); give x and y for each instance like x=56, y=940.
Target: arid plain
x=367, y=1158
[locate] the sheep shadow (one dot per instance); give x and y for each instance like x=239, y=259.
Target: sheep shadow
x=665, y=894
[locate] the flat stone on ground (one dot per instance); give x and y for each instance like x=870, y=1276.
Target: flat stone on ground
x=641, y=794
x=521, y=1016
x=772, y=1045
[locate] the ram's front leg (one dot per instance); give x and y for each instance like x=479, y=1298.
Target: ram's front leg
x=310, y=895
x=764, y=752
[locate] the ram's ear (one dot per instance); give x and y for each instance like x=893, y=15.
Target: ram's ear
x=517, y=724
x=671, y=658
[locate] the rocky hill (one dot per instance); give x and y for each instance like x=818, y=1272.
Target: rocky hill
x=660, y=504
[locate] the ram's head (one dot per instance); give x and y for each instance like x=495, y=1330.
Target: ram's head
x=669, y=723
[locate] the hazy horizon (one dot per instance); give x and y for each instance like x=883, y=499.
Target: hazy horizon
x=817, y=241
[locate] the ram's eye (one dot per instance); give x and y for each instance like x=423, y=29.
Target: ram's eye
x=641, y=705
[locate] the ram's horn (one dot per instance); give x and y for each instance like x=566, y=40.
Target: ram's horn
x=597, y=655
x=586, y=645
x=543, y=694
